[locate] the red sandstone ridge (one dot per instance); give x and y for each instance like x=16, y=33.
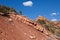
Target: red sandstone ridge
x=50, y=26
x=18, y=27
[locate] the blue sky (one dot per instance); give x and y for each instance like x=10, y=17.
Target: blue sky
x=33, y=8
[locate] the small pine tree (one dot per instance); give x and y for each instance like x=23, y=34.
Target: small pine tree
x=20, y=12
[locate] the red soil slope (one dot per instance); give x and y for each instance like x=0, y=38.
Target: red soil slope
x=14, y=29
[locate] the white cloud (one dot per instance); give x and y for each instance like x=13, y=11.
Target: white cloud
x=28, y=3
x=53, y=19
x=54, y=14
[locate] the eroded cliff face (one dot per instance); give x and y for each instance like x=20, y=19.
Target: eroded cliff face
x=18, y=27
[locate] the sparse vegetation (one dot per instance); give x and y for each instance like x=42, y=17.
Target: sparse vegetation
x=51, y=29
x=41, y=21
x=57, y=32
x=5, y=10
x=48, y=26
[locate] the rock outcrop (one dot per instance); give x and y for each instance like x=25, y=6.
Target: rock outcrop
x=18, y=27
x=53, y=28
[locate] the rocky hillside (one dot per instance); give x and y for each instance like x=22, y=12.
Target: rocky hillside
x=53, y=27
x=18, y=27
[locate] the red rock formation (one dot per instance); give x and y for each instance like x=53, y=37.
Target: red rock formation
x=18, y=27
x=54, y=26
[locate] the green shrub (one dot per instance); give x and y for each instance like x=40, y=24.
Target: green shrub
x=41, y=21
x=50, y=28
x=46, y=26
x=3, y=9
x=6, y=10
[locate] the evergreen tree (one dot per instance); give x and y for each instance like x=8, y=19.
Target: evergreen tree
x=20, y=12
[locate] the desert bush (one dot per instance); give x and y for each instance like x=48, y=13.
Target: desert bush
x=52, y=30
x=6, y=10
x=41, y=21
x=12, y=10
x=46, y=26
